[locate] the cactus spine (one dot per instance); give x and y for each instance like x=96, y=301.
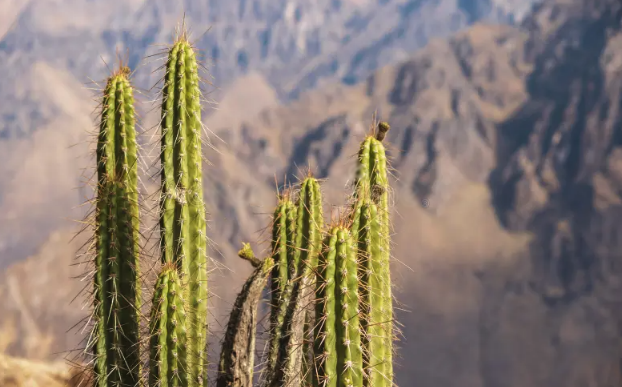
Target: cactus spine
x=337, y=345
x=182, y=220
x=370, y=229
x=117, y=292
x=167, y=325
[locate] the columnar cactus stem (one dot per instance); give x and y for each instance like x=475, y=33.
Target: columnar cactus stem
x=238, y=350
x=117, y=292
x=182, y=220
x=370, y=228
x=292, y=363
x=337, y=346
x=308, y=244
x=283, y=225
x=167, y=362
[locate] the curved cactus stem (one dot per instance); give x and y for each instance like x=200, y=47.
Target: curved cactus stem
x=182, y=219
x=167, y=361
x=238, y=351
x=116, y=280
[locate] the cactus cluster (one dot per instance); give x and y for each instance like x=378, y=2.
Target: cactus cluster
x=330, y=301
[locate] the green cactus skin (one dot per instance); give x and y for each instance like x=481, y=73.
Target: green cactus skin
x=310, y=222
x=238, y=350
x=375, y=321
x=370, y=228
x=292, y=365
x=337, y=345
x=182, y=220
x=167, y=324
x=283, y=226
x=117, y=290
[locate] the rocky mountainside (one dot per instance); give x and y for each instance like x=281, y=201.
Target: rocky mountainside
x=51, y=51
x=295, y=43
x=507, y=155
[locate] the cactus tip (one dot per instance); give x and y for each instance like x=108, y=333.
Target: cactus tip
x=246, y=253
x=383, y=128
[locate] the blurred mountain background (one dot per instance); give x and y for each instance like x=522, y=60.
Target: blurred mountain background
x=506, y=145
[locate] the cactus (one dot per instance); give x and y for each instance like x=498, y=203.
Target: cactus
x=310, y=222
x=238, y=350
x=167, y=326
x=283, y=225
x=117, y=290
x=292, y=360
x=370, y=229
x=331, y=318
x=182, y=220
x=337, y=344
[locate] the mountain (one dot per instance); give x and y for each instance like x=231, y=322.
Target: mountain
x=506, y=146
x=52, y=52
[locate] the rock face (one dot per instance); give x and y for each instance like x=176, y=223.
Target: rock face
x=51, y=51
x=506, y=144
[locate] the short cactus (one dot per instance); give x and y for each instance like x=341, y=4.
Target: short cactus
x=116, y=280
x=182, y=220
x=337, y=345
x=167, y=327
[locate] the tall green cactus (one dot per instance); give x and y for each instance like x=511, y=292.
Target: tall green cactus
x=117, y=289
x=370, y=229
x=292, y=364
x=309, y=226
x=182, y=220
x=337, y=344
x=283, y=226
x=167, y=326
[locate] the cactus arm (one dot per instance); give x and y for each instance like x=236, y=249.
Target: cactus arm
x=167, y=361
x=325, y=351
x=283, y=254
x=380, y=196
x=349, y=352
x=238, y=350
